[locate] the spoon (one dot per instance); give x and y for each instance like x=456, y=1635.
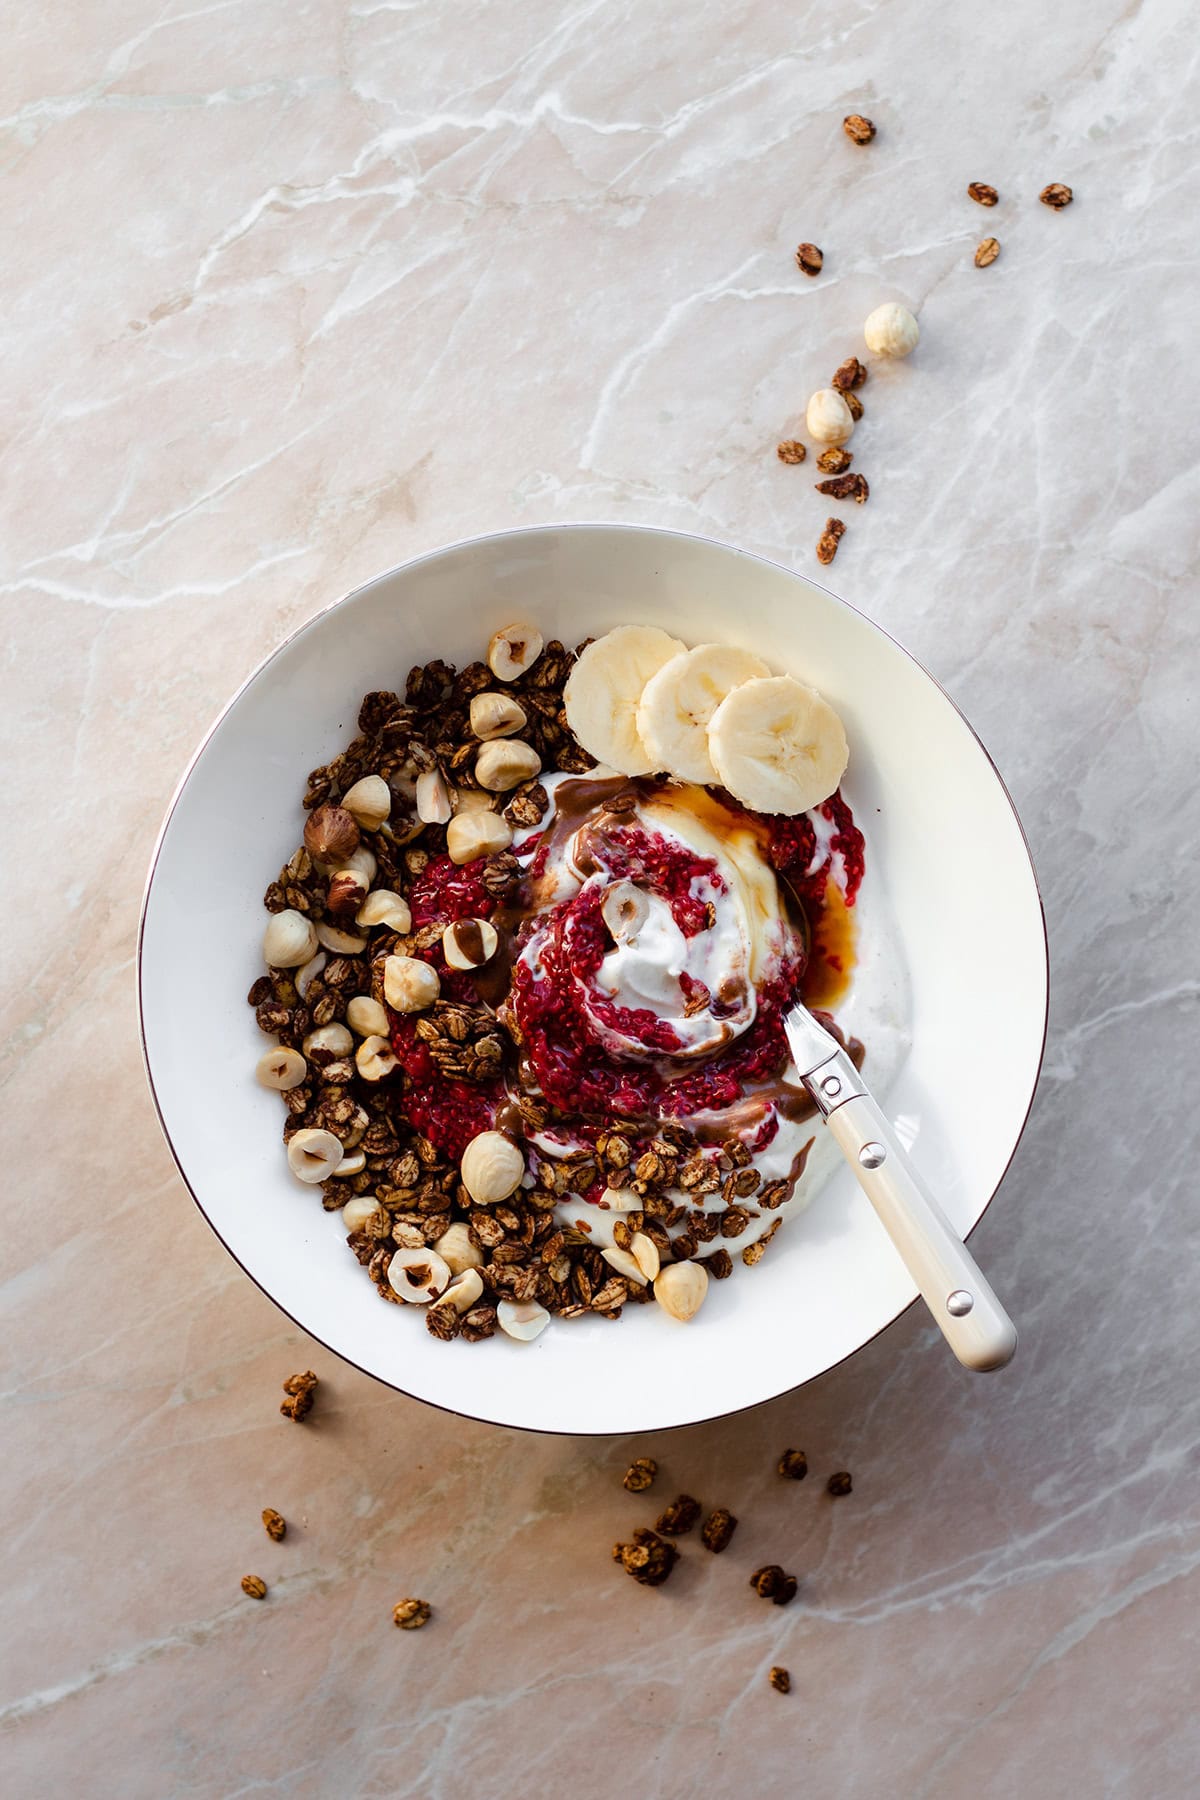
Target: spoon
x=970, y=1317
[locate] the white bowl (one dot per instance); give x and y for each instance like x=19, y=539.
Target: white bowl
x=943, y=843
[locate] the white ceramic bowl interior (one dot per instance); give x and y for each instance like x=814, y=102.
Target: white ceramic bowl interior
x=943, y=841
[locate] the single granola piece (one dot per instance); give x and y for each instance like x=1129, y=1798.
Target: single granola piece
x=845, y=487
x=983, y=192
x=780, y=1680
x=640, y=1474
x=987, y=252
x=835, y=460
x=299, y=1389
x=275, y=1524
x=410, y=1615
x=827, y=543
x=649, y=1559
x=1057, y=195
x=766, y=1581
x=793, y=1464
x=719, y=1264
x=717, y=1530
x=854, y=403
x=849, y=374
x=785, y=1592
x=791, y=451
x=839, y=1484
x=809, y=259
x=858, y=129
x=679, y=1517
x=255, y=1586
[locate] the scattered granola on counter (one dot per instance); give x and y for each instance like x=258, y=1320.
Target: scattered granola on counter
x=254, y=1586
x=827, y=543
x=780, y=1680
x=300, y=1390
x=849, y=374
x=1057, y=195
x=679, y=1517
x=275, y=1524
x=410, y=1615
x=639, y=1475
x=839, y=1484
x=791, y=450
x=809, y=259
x=771, y=1583
x=649, y=1558
x=718, y=1529
x=987, y=252
x=845, y=487
x=835, y=460
x=794, y=1465
x=983, y=192
x=858, y=129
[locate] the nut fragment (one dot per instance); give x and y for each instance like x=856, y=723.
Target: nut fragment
x=828, y=541
x=469, y=943
x=504, y=763
x=891, y=330
x=375, y=1058
x=849, y=374
x=624, y=1263
x=306, y=975
x=313, y=1154
x=791, y=451
x=370, y=801
x=809, y=259
x=717, y=1530
x=418, y=1276
x=639, y=1475
x=274, y=1524
x=364, y=861
x=522, y=1319
x=1057, y=195
x=624, y=910
x=456, y=1249
x=358, y=1210
x=255, y=1586
x=366, y=1017
x=289, y=940
x=410, y=1615
x=780, y=1680
x=492, y=1167
x=512, y=650
x=794, y=1465
x=473, y=834
x=383, y=907
x=335, y=1040
x=828, y=418
x=835, y=461
x=495, y=715
x=464, y=1291
x=299, y=1390
x=433, y=798
x=649, y=1559
x=858, y=129
x=342, y=943
x=983, y=192
x=845, y=487
x=987, y=252
x=353, y=1161
x=840, y=1484
x=331, y=836
x=409, y=984
x=646, y=1255
x=281, y=1069
x=680, y=1289
x=346, y=893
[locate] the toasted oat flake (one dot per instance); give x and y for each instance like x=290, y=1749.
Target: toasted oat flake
x=858, y=129
x=274, y=1524
x=987, y=252
x=1057, y=195
x=809, y=259
x=982, y=192
x=254, y=1586
x=791, y=450
x=410, y=1615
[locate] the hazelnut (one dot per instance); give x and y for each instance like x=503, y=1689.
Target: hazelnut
x=357, y=1211
x=375, y=1058
x=342, y=943
x=313, y=1155
x=366, y=1017
x=280, y=1069
x=473, y=834
x=492, y=1167
x=418, y=1275
x=828, y=418
x=512, y=650
x=364, y=861
x=308, y=974
x=334, y=1038
x=351, y=1132
x=891, y=330
x=680, y=1289
x=289, y=940
x=347, y=891
x=645, y=1253
x=353, y=1163
x=624, y=1264
x=469, y=943
x=505, y=763
x=339, y=1073
x=331, y=836
x=468, y=800
x=456, y=1249
x=522, y=1319
x=464, y=1291
x=383, y=907
x=433, y=798
x=409, y=984
x=624, y=910
x=495, y=715
x=370, y=801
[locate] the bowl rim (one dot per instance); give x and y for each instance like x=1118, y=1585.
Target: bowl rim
x=408, y=566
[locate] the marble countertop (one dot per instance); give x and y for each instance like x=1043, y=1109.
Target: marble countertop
x=295, y=292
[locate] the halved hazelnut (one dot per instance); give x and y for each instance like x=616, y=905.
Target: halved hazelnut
x=313, y=1155
x=366, y=1017
x=409, y=984
x=347, y=891
x=646, y=1255
x=383, y=907
x=281, y=1069
x=353, y=1163
x=433, y=798
x=505, y=763
x=624, y=1264
x=624, y=910
x=358, y=1210
x=342, y=943
x=512, y=650
x=495, y=716
x=418, y=1276
x=331, y=836
x=370, y=801
x=473, y=834
x=522, y=1319
x=289, y=940
x=492, y=1167
x=375, y=1058
x=469, y=943
x=332, y=1038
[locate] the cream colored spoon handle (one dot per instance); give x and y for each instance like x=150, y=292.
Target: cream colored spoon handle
x=972, y=1320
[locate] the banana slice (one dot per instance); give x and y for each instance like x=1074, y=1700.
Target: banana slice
x=603, y=691
x=777, y=746
x=678, y=702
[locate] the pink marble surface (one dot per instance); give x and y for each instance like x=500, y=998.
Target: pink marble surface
x=296, y=291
